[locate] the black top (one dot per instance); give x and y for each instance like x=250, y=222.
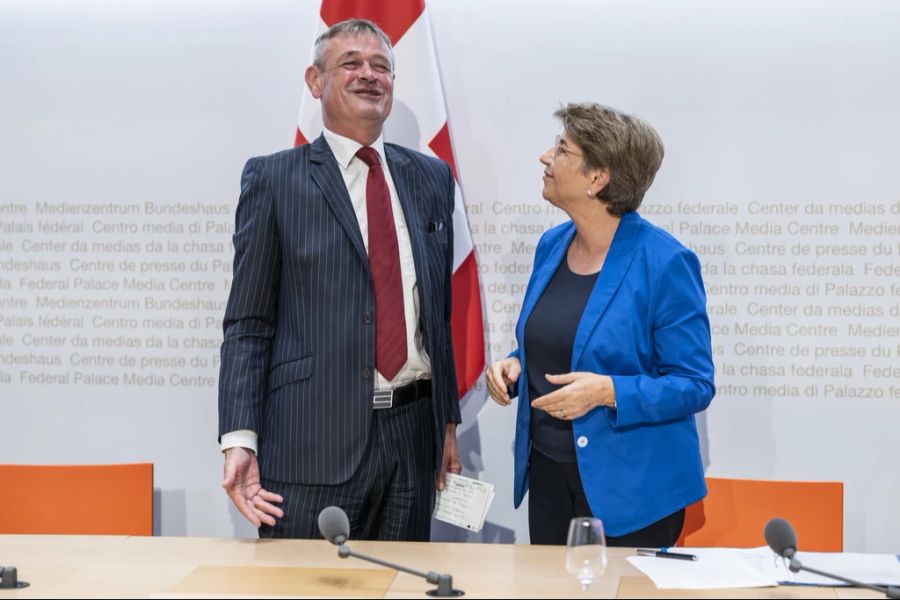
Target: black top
x=549, y=337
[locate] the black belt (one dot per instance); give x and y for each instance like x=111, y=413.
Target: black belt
x=401, y=396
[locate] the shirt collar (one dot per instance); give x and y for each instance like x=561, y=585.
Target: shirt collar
x=344, y=149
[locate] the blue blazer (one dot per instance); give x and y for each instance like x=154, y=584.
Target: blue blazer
x=298, y=357
x=645, y=325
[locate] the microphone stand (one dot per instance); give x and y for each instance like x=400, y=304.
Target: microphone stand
x=889, y=591
x=444, y=582
x=9, y=579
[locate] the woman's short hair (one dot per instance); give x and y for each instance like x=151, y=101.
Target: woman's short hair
x=629, y=148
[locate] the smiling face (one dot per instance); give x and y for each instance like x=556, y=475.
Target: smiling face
x=355, y=84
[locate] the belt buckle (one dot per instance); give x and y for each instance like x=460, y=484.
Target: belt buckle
x=382, y=399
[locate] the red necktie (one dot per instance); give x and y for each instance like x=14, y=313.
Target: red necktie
x=384, y=260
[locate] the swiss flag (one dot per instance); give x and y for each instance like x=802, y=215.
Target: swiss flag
x=418, y=121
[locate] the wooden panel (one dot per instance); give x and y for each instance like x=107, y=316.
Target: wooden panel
x=287, y=581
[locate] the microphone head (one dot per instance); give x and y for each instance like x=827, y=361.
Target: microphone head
x=781, y=538
x=334, y=525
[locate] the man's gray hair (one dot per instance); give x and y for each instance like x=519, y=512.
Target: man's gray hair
x=350, y=27
x=623, y=144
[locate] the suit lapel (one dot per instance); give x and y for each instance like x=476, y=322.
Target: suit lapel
x=327, y=175
x=618, y=259
x=543, y=273
x=408, y=182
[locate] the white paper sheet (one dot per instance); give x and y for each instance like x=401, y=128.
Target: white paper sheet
x=714, y=569
x=877, y=569
x=464, y=502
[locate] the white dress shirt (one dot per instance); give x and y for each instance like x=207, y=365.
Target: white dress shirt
x=355, y=172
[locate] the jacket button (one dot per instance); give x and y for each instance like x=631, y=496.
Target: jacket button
x=367, y=318
x=367, y=372
x=582, y=441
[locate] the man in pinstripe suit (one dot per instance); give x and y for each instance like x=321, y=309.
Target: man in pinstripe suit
x=337, y=383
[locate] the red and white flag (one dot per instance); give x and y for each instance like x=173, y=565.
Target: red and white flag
x=418, y=121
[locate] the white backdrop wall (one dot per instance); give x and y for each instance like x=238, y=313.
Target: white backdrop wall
x=125, y=126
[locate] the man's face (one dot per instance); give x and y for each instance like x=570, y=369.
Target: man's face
x=357, y=83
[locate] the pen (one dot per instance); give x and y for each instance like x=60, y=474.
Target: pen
x=664, y=553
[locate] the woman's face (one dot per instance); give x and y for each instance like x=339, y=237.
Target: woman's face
x=565, y=181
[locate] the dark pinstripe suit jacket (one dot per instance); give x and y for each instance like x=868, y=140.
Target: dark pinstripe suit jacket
x=299, y=352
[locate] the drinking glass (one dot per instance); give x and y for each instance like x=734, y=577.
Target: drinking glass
x=586, y=550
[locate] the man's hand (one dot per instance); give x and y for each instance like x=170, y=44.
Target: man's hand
x=243, y=487
x=450, y=463
x=581, y=393
x=499, y=376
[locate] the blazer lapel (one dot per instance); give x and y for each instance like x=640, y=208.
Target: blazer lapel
x=327, y=175
x=543, y=273
x=408, y=182
x=618, y=259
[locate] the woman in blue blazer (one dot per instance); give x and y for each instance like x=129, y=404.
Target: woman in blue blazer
x=614, y=355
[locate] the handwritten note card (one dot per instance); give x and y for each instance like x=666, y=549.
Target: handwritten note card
x=464, y=502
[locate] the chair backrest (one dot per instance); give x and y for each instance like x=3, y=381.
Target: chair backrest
x=735, y=512
x=77, y=499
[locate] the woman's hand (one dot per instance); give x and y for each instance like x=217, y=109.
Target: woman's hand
x=580, y=393
x=500, y=375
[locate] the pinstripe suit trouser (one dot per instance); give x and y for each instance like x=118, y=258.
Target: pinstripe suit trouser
x=389, y=497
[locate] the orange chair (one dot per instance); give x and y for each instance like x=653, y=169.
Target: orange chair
x=77, y=499
x=736, y=511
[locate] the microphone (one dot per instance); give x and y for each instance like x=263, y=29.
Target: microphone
x=335, y=527
x=9, y=579
x=782, y=539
